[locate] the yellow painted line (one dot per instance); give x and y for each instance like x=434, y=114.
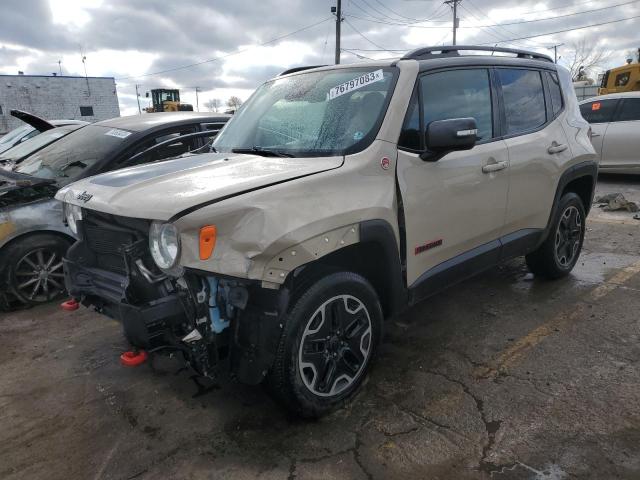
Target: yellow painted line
x=509, y=357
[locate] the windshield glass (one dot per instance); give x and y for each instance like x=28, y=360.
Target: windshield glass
x=331, y=112
x=15, y=134
x=68, y=158
x=24, y=149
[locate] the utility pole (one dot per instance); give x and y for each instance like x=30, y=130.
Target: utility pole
x=138, y=98
x=555, y=51
x=197, y=102
x=338, y=12
x=456, y=21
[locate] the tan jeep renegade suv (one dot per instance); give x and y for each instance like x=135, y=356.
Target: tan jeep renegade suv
x=335, y=198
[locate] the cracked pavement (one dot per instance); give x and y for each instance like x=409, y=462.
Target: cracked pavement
x=501, y=377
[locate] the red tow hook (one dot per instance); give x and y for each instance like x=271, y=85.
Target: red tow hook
x=70, y=305
x=133, y=358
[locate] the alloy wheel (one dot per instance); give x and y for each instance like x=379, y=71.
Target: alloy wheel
x=39, y=276
x=335, y=346
x=568, y=236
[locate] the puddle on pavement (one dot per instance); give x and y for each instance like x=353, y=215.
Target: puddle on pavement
x=591, y=269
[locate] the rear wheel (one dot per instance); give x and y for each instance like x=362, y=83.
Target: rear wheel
x=331, y=336
x=559, y=253
x=34, y=268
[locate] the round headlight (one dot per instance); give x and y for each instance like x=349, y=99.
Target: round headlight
x=164, y=243
x=72, y=213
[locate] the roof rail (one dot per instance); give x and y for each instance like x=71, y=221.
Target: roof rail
x=454, y=51
x=300, y=69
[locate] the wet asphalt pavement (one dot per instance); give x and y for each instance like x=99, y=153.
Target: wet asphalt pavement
x=502, y=377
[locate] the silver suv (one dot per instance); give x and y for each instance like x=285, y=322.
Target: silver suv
x=338, y=196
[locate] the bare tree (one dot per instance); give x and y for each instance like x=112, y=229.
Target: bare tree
x=583, y=59
x=213, y=105
x=234, y=102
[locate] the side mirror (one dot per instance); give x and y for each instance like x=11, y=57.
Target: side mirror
x=444, y=136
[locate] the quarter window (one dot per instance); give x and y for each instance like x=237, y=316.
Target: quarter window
x=599, y=111
x=523, y=97
x=410, y=137
x=630, y=110
x=458, y=94
x=556, y=92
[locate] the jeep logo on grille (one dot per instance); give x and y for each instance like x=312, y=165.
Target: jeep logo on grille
x=85, y=197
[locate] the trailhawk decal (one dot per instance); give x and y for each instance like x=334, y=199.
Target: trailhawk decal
x=428, y=246
x=355, y=84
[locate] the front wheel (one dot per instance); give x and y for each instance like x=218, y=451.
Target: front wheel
x=559, y=253
x=330, y=338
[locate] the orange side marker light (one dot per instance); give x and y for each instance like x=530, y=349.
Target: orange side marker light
x=207, y=241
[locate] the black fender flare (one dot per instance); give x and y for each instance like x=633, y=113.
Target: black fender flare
x=587, y=168
x=381, y=233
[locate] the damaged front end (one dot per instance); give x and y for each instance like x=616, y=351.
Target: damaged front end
x=213, y=321
x=26, y=206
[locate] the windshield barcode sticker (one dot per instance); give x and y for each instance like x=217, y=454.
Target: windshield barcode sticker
x=114, y=132
x=356, y=83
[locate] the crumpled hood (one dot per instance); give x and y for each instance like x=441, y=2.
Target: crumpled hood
x=161, y=190
x=16, y=188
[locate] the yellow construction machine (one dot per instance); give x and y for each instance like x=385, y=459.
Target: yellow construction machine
x=621, y=79
x=167, y=100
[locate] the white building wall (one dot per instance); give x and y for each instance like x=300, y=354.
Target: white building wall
x=56, y=98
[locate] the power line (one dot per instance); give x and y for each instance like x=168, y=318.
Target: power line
x=386, y=19
x=409, y=25
x=557, y=16
x=570, y=29
x=413, y=20
x=533, y=12
x=182, y=67
x=384, y=15
x=600, y=24
x=495, y=29
x=363, y=35
x=503, y=24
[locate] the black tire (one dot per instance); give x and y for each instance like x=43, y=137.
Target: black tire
x=558, y=254
x=37, y=259
x=294, y=378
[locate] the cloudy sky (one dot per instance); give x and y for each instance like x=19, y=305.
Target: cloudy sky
x=238, y=44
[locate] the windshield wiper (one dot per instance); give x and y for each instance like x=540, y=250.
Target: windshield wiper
x=265, y=152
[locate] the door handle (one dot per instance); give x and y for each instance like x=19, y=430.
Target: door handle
x=594, y=135
x=494, y=167
x=555, y=148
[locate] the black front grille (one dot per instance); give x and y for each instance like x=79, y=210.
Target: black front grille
x=108, y=236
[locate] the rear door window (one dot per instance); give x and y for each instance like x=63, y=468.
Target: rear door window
x=458, y=94
x=523, y=97
x=598, y=111
x=629, y=110
x=173, y=149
